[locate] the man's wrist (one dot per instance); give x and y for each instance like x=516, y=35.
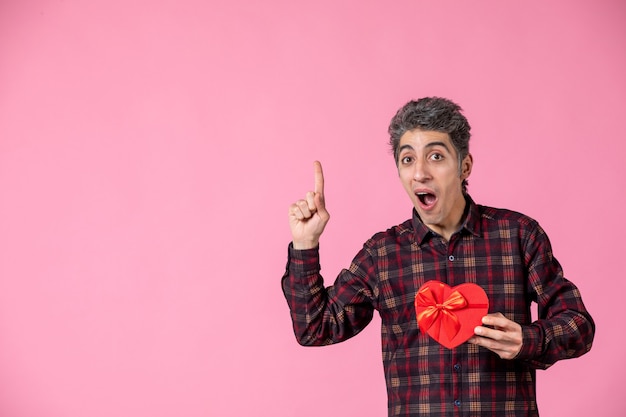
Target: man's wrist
x=305, y=245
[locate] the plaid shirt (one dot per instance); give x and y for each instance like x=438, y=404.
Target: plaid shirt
x=506, y=253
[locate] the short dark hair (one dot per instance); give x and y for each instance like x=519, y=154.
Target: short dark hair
x=434, y=114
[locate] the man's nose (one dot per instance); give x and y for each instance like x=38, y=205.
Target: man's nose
x=420, y=171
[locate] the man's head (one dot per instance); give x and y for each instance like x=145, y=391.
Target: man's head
x=432, y=114
x=429, y=138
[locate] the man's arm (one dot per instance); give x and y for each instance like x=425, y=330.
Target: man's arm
x=321, y=315
x=326, y=315
x=564, y=328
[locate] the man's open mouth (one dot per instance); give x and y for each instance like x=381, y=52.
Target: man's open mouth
x=427, y=199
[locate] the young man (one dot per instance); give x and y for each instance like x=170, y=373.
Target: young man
x=453, y=240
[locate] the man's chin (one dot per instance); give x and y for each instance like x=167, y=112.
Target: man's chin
x=427, y=216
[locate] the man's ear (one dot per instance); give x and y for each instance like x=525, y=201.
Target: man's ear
x=466, y=166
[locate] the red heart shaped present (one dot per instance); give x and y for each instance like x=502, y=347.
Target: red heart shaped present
x=450, y=314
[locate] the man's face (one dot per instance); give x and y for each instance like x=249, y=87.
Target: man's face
x=428, y=166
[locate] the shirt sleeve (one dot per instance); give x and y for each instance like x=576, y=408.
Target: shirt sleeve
x=326, y=315
x=564, y=328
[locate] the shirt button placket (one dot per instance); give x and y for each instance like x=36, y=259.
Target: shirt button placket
x=457, y=370
x=456, y=367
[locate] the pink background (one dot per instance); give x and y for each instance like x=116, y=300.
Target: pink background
x=149, y=151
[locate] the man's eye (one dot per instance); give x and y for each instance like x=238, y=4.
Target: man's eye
x=406, y=160
x=436, y=157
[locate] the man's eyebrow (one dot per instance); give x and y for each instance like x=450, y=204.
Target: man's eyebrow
x=428, y=145
x=437, y=143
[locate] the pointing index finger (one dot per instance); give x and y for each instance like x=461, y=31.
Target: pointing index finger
x=319, y=178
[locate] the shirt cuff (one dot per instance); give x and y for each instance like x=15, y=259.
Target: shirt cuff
x=303, y=262
x=532, y=342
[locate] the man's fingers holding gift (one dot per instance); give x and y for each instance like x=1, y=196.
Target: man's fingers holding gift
x=499, y=322
x=505, y=338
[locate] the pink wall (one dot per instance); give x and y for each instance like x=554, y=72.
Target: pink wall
x=149, y=151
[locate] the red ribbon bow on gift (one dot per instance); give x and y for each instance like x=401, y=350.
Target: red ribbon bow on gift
x=442, y=312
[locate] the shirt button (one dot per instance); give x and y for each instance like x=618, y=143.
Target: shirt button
x=457, y=367
x=457, y=403
x=451, y=258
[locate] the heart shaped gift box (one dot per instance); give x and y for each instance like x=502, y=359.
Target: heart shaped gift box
x=450, y=314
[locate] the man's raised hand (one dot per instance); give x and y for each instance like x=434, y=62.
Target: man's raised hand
x=308, y=217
